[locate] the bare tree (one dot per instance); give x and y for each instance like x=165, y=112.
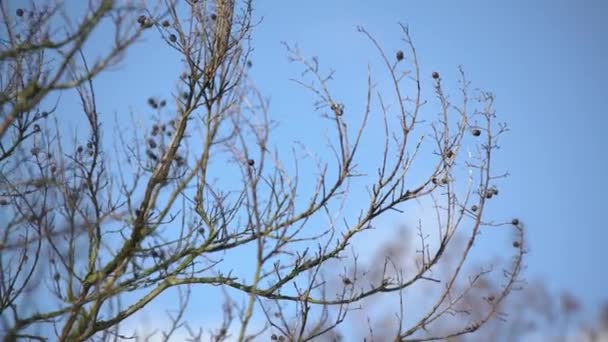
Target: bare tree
x=101, y=232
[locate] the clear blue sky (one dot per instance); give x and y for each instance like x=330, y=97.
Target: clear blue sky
x=545, y=60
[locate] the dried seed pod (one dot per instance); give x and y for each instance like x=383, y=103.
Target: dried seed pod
x=147, y=23
x=151, y=155
x=180, y=160
x=399, y=55
x=151, y=143
x=338, y=109
x=152, y=103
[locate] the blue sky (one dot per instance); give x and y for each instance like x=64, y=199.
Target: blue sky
x=545, y=60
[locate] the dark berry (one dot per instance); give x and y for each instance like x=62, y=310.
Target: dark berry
x=152, y=155
x=152, y=103
x=399, y=55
